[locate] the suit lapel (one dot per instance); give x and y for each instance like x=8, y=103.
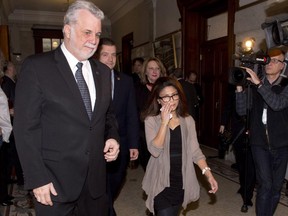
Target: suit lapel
x=98, y=84
x=116, y=84
x=67, y=74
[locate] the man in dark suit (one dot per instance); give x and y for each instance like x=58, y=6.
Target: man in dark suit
x=124, y=102
x=8, y=85
x=64, y=135
x=189, y=91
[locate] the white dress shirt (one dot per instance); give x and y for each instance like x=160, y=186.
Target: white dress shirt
x=5, y=122
x=86, y=70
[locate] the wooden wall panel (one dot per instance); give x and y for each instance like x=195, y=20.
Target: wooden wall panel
x=4, y=41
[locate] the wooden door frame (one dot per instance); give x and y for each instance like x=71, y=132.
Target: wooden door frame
x=194, y=15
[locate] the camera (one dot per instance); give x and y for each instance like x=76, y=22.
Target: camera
x=238, y=75
x=276, y=35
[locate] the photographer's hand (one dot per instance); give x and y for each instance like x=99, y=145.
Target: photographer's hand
x=221, y=129
x=253, y=76
x=239, y=88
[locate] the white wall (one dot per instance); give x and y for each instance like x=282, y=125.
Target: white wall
x=148, y=21
x=139, y=21
x=248, y=24
x=167, y=17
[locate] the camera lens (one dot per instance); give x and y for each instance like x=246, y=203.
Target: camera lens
x=237, y=76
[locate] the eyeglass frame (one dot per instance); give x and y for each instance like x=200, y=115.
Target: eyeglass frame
x=275, y=61
x=172, y=96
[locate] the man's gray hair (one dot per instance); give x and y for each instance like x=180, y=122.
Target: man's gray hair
x=71, y=15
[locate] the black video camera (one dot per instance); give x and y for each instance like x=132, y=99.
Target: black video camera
x=238, y=75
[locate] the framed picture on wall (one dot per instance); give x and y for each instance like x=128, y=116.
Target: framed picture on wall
x=177, y=37
x=166, y=50
x=144, y=50
x=118, y=65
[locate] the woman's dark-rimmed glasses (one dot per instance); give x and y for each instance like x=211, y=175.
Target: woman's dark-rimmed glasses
x=168, y=98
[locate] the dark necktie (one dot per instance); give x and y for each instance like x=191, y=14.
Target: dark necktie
x=83, y=89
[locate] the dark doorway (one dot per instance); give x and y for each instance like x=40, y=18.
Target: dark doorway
x=214, y=74
x=127, y=45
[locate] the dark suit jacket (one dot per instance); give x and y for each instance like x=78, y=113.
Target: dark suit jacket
x=191, y=96
x=124, y=102
x=55, y=139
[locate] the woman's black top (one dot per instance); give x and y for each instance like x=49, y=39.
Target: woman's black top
x=174, y=194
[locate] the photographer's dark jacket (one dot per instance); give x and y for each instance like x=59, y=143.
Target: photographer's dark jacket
x=275, y=98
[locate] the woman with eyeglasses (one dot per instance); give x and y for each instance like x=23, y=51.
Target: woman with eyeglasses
x=170, y=180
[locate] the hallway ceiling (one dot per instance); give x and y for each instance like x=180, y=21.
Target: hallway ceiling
x=108, y=6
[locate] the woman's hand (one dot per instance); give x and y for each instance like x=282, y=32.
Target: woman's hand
x=166, y=113
x=213, y=184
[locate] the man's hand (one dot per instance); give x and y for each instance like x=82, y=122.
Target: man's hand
x=42, y=194
x=253, y=76
x=111, y=150
x=134, y=154
x=221, y=129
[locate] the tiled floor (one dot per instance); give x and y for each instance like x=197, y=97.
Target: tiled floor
x=131, y=201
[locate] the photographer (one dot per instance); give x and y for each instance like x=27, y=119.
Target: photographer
x=268, y=132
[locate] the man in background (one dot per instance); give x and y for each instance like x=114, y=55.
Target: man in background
x=5, y=131
x=8, y=85
x=192, y=78
x=137, y=64
x=124, y=103
x=189, y=91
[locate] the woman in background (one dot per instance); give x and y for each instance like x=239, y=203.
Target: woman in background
x=170, y=179
x=152, y=69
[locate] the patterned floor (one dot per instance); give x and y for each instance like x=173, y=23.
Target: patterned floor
x=223, y=168
x=23, y=205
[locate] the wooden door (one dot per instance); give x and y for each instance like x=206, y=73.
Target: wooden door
x=214, y=76
x=127, y=44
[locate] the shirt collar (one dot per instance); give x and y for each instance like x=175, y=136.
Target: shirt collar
x=72, y=61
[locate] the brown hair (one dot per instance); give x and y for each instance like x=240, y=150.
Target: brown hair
x=153, y=107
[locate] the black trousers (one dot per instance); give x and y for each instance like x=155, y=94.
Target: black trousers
x=3, y=171
x=171, y=211
x=116, y=173
x=85, y=205
x=247, y=174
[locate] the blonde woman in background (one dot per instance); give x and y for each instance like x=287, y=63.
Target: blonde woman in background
x=152, y=69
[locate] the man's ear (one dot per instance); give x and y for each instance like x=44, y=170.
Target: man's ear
x=67, y=30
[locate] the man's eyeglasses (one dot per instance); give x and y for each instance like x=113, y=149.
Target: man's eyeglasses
x=275, y=61
x=168, y=98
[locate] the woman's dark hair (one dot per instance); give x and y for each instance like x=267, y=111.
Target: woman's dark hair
x=153, y=107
